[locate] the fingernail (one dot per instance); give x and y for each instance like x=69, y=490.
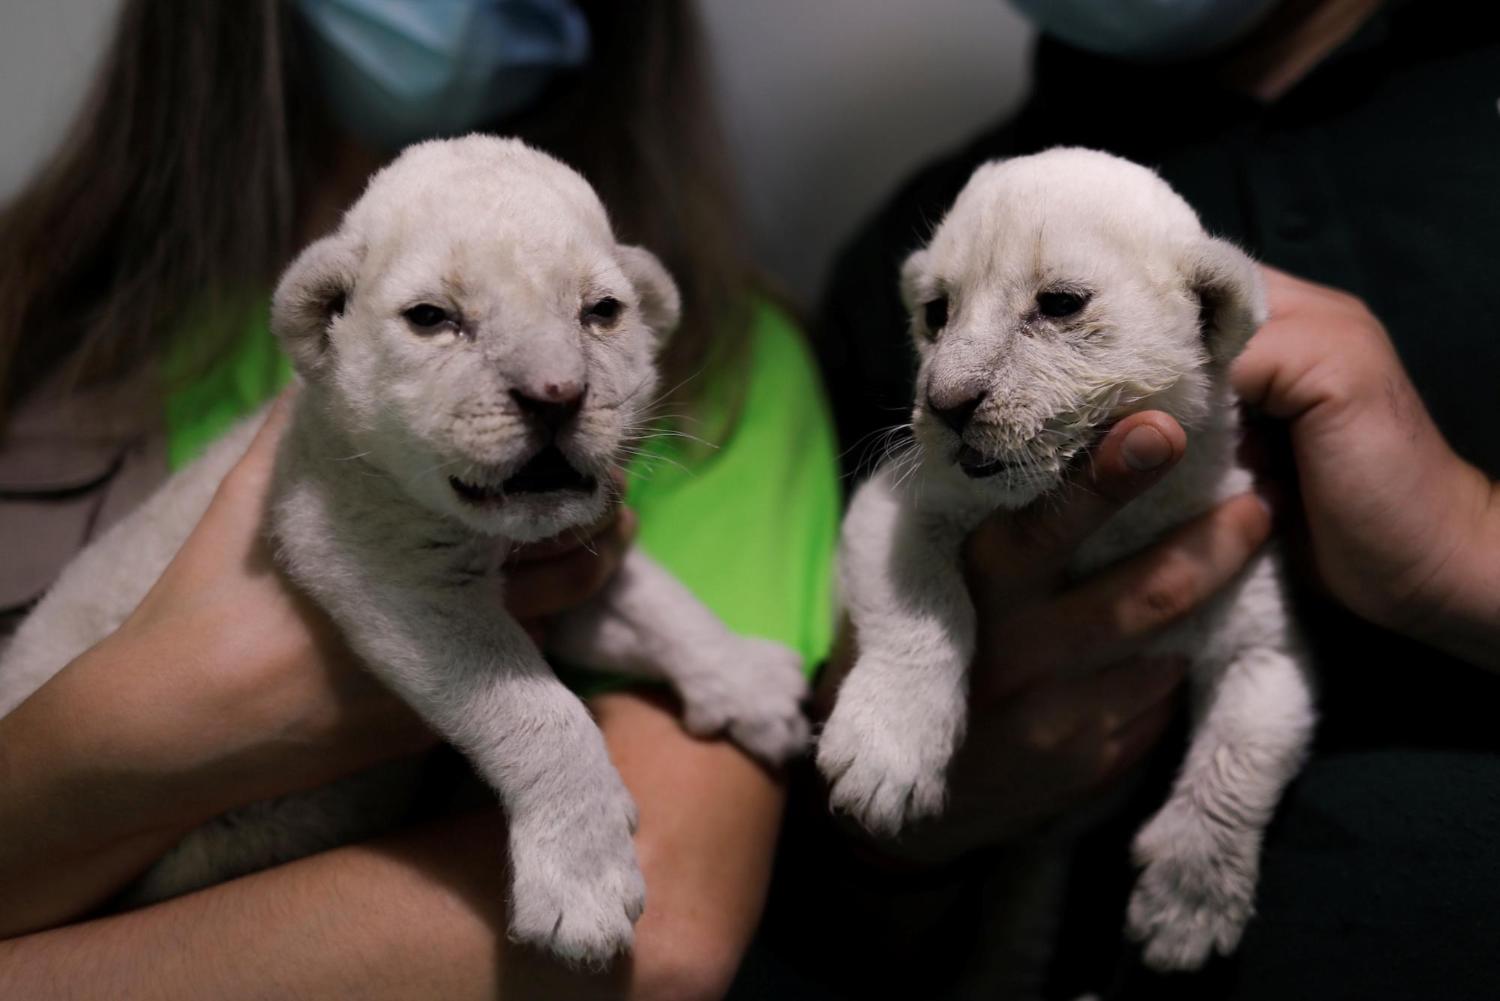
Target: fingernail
x=1145, y=448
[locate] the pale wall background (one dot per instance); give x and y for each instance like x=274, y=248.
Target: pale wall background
x=827, y=103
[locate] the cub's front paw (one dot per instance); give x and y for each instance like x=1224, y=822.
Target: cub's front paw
x=1196, y=892
x=885, y=775
x=752, y=691
x=576, y=888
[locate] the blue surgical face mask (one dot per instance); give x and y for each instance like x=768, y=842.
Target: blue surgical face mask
x=397, y=71
x=1146, y=29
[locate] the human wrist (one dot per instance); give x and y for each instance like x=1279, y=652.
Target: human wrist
x=866, y=873
x=1462, y=611
x=79, y=784
x=1472, y=620
x=246, y=713
x=931, y=854
x=176, y=713
x=166, y=716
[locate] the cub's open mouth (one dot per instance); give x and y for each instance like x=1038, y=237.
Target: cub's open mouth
x=547, y=471
x=988, y=469
x=976, y=466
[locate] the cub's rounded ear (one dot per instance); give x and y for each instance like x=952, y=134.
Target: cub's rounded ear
x=311, y=295
x=661, y=305
x=914, y=282
x=1231, y=296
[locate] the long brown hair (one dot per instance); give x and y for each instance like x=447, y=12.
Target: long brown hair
x=183, y=181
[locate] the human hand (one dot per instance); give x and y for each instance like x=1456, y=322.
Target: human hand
x=547, y=578
x=301, y=710
x=225, y=686
x=1399, y=528
x=291, y=706
x=1061, y=701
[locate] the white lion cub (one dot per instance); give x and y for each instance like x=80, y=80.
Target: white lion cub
x=1061, y=292
x=475, y=350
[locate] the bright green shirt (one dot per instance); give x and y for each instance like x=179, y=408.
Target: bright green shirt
x=750, y=526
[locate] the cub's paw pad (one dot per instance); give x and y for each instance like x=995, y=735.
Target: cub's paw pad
x=1195, y=894
x=754, y=693
x=578, y=897
x=883, y=781
x=586, y=927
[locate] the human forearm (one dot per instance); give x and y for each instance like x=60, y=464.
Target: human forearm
x=710, y=817
x=1465, y=617
x=142, y=738
x=311, y=929
x=1399, y=529
x=421, y=913
x=96, y=784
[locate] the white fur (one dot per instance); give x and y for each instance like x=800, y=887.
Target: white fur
x=364, y=518
x=1082, y=221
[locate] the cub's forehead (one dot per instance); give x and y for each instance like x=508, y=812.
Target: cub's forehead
x=1061, y=210
x=480, y=190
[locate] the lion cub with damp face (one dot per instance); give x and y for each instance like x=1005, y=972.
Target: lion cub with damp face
x=1061, y=292
x=475, y=350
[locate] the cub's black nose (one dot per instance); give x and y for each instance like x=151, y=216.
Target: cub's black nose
x=553, y=405
x=954, y=413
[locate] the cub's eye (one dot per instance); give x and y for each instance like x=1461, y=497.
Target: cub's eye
x=427, y=318
x=1060, y=304
x=604, y=312
x=935, y=314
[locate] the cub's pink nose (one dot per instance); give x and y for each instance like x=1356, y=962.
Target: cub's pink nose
x=954, y=410
x=553, y=404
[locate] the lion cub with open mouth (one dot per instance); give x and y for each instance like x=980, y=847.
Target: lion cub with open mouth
x=476, y=351
x=1061, y=292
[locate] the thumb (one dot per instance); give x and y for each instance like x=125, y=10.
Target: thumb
x=233, y=519
x=1136, y=453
